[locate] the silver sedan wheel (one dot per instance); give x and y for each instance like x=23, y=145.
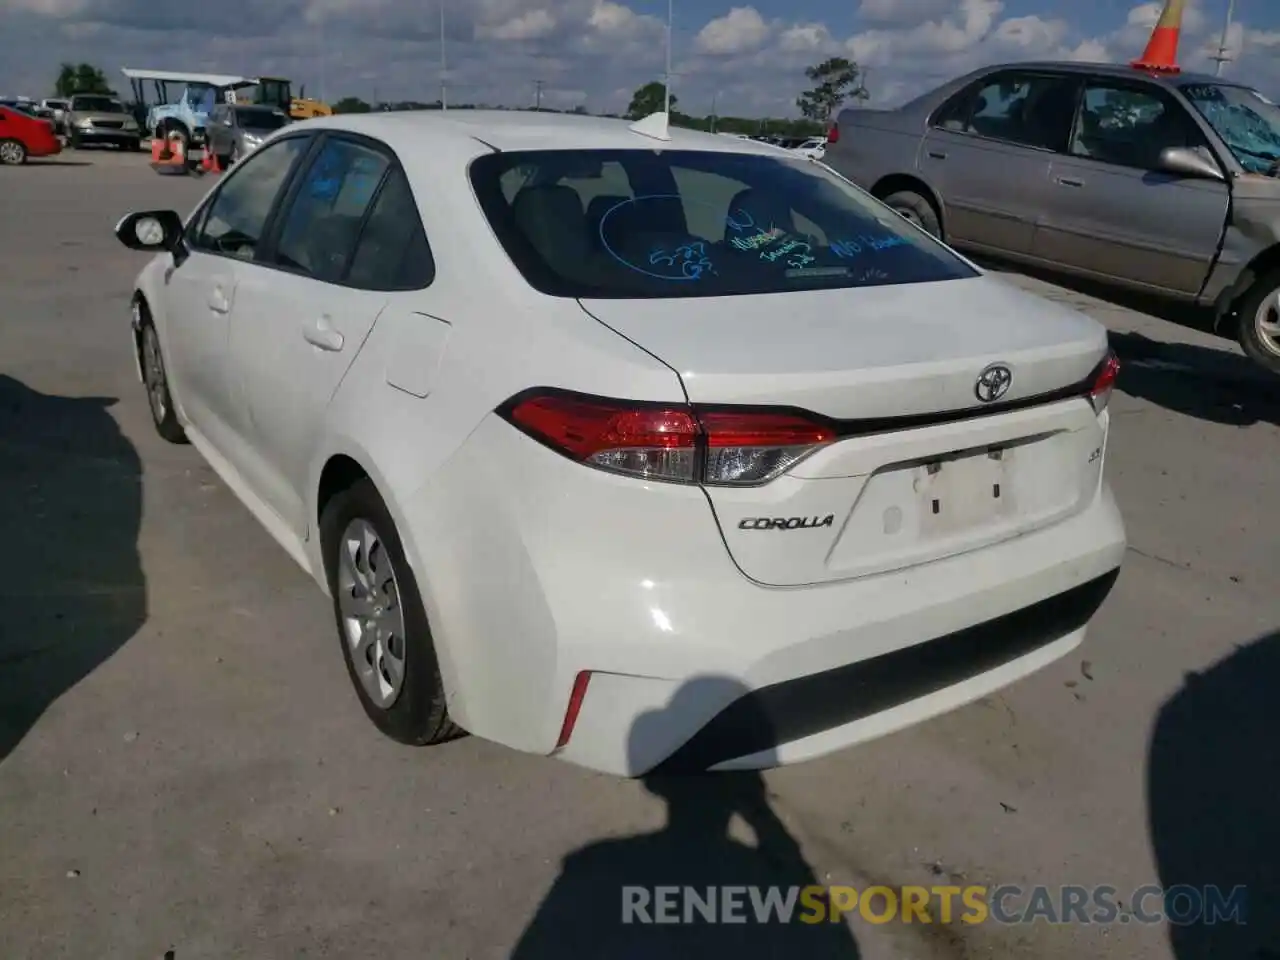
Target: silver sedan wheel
x=153, y=374
x=11, y=153
x=1267, y=322
x=372, y=618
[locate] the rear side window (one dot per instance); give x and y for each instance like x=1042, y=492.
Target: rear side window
x=392, y=253
x=645, y=224
x=1026, y=109
x=323, y=221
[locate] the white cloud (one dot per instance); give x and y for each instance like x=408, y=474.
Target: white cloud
x=740, y=30
x=804, y=37
x=595, y=50
x=1031, y=33
x=526, y=26
x=615, y=20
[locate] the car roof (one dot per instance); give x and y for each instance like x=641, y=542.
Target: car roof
x=507, y=130
x=1118, y=70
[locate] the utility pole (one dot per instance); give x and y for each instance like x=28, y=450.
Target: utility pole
x=666, y=82
x=444, y=64
x=1221, y=56
x=537, y=94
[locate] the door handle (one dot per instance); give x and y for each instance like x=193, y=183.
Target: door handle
x=319, y=334
x=218, y=301
x=937, y=154
x=1070, y=182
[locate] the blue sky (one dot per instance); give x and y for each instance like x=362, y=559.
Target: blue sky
x=748, y=56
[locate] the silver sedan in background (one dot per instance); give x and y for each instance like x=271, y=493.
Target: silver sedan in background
x=235, y=131
x=1163, y=183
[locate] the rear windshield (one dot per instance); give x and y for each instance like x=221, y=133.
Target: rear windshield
x=260, y=118
x=675, y=223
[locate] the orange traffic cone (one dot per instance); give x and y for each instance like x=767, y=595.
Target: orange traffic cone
x=1161, y=54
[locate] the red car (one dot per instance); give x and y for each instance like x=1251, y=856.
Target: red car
x=22, y=136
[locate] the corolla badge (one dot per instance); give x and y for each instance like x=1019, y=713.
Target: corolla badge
x=993, y=383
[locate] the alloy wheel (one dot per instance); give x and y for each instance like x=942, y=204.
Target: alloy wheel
x=11, y=153
x=153, y=374
x=1267, y=322
x=372, y=618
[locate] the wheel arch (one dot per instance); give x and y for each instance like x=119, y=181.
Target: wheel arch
x=1226, y=321
x=167, y=125
x=345, y=463
x=897, y=182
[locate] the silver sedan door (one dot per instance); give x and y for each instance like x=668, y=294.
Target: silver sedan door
x=989, y=153
x=1113, y=213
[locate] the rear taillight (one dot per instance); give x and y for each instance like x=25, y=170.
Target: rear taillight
x=833, y=135
x=1104, y=381
x=670, y=442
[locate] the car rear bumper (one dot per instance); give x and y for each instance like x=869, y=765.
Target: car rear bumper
x=535, y=570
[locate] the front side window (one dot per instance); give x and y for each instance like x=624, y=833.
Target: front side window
x=1026, y=109
x=324, y=218
x=1130, y=127
x=674, y=223
x=238, y=213
x=1247, y=122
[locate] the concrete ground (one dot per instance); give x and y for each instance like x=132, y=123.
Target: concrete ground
x=185, y=772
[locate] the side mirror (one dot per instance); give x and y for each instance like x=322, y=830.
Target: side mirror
x=153, y=230
x=1190, y=163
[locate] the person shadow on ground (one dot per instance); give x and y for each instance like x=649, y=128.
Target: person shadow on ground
x=72, y=590
x=1213, y=796
x=585, y=915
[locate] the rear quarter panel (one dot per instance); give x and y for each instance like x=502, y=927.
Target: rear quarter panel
x=875, y=144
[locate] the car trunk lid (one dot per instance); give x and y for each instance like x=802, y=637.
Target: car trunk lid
x=921, y=468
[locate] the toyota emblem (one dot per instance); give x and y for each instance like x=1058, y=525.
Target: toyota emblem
x=993, y=383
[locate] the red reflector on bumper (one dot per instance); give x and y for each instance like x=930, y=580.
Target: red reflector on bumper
x=576, y=697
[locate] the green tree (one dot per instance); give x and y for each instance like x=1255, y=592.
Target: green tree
x=835, y=81
x=351, y=105
x=76, y=78
x=649, y=99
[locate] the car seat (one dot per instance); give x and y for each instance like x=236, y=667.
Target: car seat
x=752, y=212
x=552, y=219
x=596, y=211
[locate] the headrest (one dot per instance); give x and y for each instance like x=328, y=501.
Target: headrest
x=752, y=212
x=551, y=217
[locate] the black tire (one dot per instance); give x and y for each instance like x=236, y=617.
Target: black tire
x=74, y=140
x=224, y=160
x=916, y=208
x=1252, y=340
x=175, y=131
x=135, y=145
x=13, y=153
x=419, y=715
x=159, y=399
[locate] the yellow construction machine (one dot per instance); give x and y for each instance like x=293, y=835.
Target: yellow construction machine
x=278, y=92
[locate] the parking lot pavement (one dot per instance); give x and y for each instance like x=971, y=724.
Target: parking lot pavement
x=184, y=767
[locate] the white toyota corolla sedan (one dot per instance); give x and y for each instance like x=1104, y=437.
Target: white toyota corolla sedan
x=649, y=449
